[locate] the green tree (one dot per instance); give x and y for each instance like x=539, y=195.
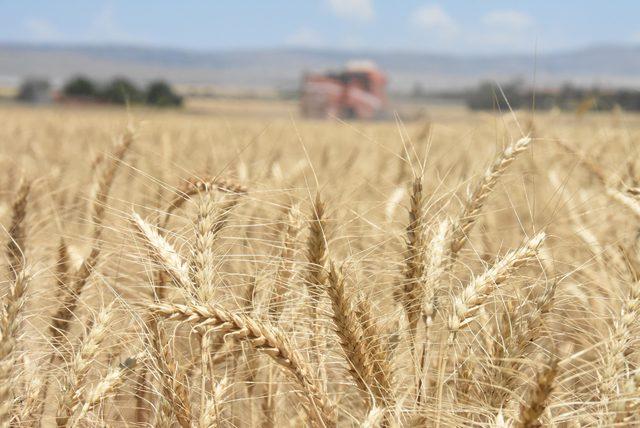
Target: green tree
x=160, y=94
x=121, y=91
x=80, y=86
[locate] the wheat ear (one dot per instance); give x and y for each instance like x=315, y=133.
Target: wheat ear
x=349, y=331
x=263, y=338
x=17, y=235
x=194, y=186
x=412, y=291
x=435, y=268
x=286, y=263
x=211, y=218
x=476, y=200
x=536, y=402
x=76, y=375
x=211, y=416
x=475, y=293
x=9, y=325
x=618, y=347
x=378, y=350
x=316, y=252
x=163, y=252
x=173, y=378
x=106, y=387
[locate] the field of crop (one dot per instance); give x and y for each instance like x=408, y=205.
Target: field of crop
x=172, y=269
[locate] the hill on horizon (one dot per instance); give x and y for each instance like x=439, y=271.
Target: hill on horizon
x=281, y=68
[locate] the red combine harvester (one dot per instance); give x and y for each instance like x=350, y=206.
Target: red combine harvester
x=358, y=92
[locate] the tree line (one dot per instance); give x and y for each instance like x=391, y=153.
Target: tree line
x=490, y=96
x=116, y=91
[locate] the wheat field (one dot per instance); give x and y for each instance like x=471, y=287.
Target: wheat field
x=170, y=269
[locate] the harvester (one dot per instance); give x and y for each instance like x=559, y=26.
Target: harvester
x=357, y=92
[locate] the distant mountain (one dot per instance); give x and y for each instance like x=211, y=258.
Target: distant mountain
x=612, y=66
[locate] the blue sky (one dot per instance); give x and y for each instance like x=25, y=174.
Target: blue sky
x=471, y=26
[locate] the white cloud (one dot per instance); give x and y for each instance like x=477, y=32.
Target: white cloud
x=42, y=30
x=305, y=37
x=508, y=20
x=433, y=18
x=360, y=10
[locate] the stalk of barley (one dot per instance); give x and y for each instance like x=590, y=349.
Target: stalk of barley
x=435, y=268
x=100, y=193
x=476, y=292
x=16, y=244
x=263, y=338
x=475, y=201
x=9, y=325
